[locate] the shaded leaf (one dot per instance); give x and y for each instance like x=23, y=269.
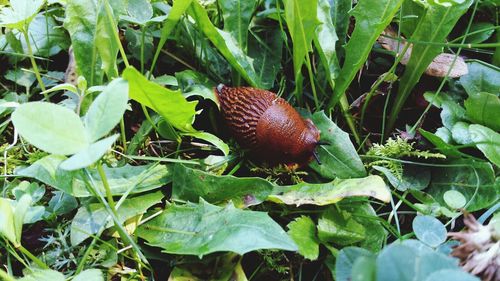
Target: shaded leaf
x=414, y=177
x=483, y=108
x=237, y=15
x=345, y=260
x=482, y=77
x=190, y=184
x=339, y=157
x=339, y=227
x=200, y=229
x=488, y=141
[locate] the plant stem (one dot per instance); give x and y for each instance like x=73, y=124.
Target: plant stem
x=111, y=19
x=33, y=257
x=107, y=189
x=311, y=78
x=5, y=276
x=123, y=136
x=344, y=106
x=143, y=35
x=33, y=62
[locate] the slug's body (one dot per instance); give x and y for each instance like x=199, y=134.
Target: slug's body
x=267, y=125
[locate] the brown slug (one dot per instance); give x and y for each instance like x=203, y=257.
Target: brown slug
x=268, y=125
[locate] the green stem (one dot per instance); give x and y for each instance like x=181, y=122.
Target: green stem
x=36, y=260
x=107, y=189
x=311, y=78
x=33, y=62
x=143, y=36
x=111, y=19
x=344, y=106
x=123, y=135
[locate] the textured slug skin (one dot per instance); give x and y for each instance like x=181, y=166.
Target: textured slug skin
x=267, y=125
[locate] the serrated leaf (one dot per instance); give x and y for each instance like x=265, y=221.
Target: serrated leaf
x=120, y=179
x=303, y=232
x=92, y=217
x=50, y=127
x=321, y=194
x=190, y=185
x=201, y=229
x=339, y=158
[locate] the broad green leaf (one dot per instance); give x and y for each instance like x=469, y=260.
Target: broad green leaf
x=92, y=217
x=121, y=179
x=364, y=269
x=325, y=39
x=441, y=145
x=7, y=226
x=43, y=275
x=61, y=203
x=170, y=104
x=372, y=16
x=339, y=158
x=340, y=17
x=93, y=37
x=452, y=111
x=301, y=19
x=213, y=139
x=303, y=232
x=201, y=229
x=345, y=260
x=50, y=127
x=89, y=275
x=321, y=194
x=194, y=83
x=460, y=133
x=488, y=141
x=190, y=184
x=339, y=227
x=19, y=213
x=45, y=37
x=21, y=77
x=441, y=20
x=480, y=32
x=228, y=269
x=237, y=15
x=226, y=45
x=429, y=230
x=89, y=155
x=107, y=109
x=483, y=108
x=140, y=12
x=482, y=77
x=474, y=179
x=20, y=13
x=414, y=177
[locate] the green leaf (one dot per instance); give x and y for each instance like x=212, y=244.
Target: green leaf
x=429, y=230
x=372, y=16
x=107, y=109
x=345, y=261
x=301, y=19
x=50, y=127
x=226, y=45
x=201, y=229
x=364, y=269
x=90, y=155
x=20, y=13
x=460, y=133
x=89, y=275
x=328, y=193
x=21, y=77
x=266, y=50
x=140, y=12
x=339, y=157
x=170, y=104
x=61, y=203
x=303, y=232
x=414, y=177
x=121, y=179
x=7, y=226
x=440, y=144
x=92, y=217
x=93, y=37
x=193, y=83
x=451, y=275
x=454, y=199
x=452, y=111
x=482, y=31
x=483, y=108
x=190, y=184
x=324, y=39
x=213, y=139
x=474, y=179
x=237, y=15
x=441, y=20
x=482, y=77
x=339, y=227
x=488, y=141
x=19, y=213
x=43, y=275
